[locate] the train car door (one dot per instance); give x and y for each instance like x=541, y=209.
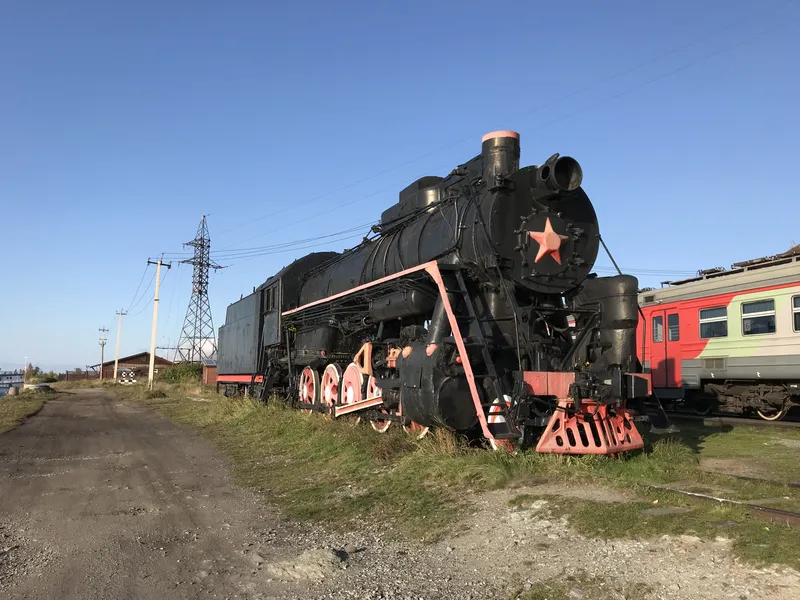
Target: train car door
x=665, y=348
x=673, y=349
x=658, y=349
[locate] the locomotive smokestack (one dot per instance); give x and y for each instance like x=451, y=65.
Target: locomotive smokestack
x=560, y=174
x=500, y=151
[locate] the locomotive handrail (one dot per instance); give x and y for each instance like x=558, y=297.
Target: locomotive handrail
x=418, y=268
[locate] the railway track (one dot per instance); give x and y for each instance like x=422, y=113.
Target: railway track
x=790, y=484
x=769, y=513
x=775, y=515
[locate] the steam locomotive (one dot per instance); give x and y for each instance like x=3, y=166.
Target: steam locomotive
x=473, y=308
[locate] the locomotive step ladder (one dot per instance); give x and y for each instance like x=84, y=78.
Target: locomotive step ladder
x=496, y=411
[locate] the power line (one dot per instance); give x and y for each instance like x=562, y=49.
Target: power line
x=147, y=304
x=247, y=253
x=667, y=74
x=309, y=247
x=138, y=287
x=341, y=205
x=222, y=255
x=537, y=128
x=142, y=297
x=706, y=36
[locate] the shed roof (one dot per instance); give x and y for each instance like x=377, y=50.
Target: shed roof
x=123, y=359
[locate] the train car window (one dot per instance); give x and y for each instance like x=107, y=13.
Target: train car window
x=796, y=312
x=673, y=328
x=268, y=307
x=713, y=322
x=658, y=329
x=758, y=317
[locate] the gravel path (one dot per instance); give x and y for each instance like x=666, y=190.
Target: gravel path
x=101, y=498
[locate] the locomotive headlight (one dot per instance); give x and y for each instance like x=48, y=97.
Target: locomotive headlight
x=560, y=174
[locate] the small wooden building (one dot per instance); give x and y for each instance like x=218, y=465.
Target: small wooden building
x=209, y=372
x=138, y=364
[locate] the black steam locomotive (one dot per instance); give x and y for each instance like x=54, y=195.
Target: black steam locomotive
x=473, y=308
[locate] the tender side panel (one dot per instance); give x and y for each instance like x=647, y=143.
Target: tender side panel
x=238, y=338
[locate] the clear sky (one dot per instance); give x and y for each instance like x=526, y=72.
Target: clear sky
x=121, y=124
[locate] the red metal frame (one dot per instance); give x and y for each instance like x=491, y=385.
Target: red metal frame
x=240, y=378
x=345, y=409
x=366, y=286
x=432, y=269
x=568, y=432
x=575, y=433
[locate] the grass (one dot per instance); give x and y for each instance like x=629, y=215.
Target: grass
x=13, y=409
x=343, y=474
x=761, y=451
x=315, y=469
x=758, y=542
x=580, y=585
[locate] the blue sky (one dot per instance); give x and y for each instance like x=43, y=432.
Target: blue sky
x=121, y=124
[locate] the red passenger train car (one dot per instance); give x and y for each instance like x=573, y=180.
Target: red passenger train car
x=726, y=339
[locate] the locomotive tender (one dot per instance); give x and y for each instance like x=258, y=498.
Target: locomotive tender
x=473, y=309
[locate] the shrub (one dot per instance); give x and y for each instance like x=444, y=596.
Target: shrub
x=36, y=375
x=184, y=372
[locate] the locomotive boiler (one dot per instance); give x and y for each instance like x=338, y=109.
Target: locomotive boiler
x=472, y=308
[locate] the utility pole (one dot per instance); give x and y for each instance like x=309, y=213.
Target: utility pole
x=102, y=331
x=119, y=330
x=155, y=320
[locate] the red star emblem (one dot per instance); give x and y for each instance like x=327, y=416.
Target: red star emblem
x=549, y=242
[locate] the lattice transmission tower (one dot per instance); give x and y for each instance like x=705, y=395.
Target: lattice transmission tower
x=198, y=340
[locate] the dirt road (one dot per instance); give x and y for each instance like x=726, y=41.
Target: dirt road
x=104, y=499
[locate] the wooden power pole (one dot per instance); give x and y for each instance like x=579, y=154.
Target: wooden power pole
x=102, y=331
x=119, y=331
x=155, y=321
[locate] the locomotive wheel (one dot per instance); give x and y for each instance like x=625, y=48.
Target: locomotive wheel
x=308, y=388
x=331, y=380
x=702, y=408
x=773, y=415
x=506, y=445
x=372, y=391
x=352, y=386
x=415, y=429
